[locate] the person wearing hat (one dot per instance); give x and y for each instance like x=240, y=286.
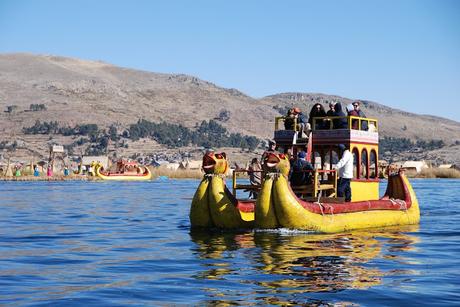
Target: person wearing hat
x=299, y=174
x=345, y=173
x=302, y=122
x=271, y=149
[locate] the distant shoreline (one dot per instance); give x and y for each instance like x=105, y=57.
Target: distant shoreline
x=53, y=178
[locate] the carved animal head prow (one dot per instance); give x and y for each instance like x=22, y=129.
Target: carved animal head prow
x=276, y=163
x=215, y=163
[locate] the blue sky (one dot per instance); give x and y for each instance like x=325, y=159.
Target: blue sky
x=404, y=54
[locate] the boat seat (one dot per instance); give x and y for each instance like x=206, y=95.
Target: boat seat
x=249, y=187
x=327, y=187
x=303, y=190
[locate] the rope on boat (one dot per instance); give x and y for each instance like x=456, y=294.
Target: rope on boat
x=320, y=205
x=402, y=203
x=214, y=175
x=272, y=175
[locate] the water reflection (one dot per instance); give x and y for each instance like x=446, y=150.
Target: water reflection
x=282, y=263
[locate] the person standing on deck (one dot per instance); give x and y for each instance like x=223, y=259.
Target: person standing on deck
x=255, y=176
x=345, y=170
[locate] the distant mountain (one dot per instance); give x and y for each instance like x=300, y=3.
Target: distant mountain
x=74, y=91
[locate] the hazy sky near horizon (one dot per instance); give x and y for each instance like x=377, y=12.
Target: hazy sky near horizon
x=404, y=54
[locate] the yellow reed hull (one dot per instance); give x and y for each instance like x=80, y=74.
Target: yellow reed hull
x=265, y=216
x=147, y=176
x=213, y=206
x=199, y=210
x=291, y=214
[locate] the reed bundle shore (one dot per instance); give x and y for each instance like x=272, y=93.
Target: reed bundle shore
x=198, y=174
x=437, y=173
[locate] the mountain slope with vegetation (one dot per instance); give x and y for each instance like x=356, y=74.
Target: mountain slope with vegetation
x=70, y=94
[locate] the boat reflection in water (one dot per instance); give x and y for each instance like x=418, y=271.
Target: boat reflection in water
x=284, y=263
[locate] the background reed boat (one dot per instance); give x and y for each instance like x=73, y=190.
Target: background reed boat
x=123, y=171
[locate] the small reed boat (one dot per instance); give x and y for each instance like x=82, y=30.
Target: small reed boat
x=123, y=171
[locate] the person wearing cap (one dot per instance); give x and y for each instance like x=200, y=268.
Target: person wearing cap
x=345, y=173
x=299, y=174
x=302, y=122
x=271, y=149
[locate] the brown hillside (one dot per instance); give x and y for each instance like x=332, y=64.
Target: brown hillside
x=77, y=91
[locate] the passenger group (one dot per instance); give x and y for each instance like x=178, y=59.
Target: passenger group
x=319, y=119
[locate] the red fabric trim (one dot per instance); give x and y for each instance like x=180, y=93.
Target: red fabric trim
x=246, y=205
x=242, y=205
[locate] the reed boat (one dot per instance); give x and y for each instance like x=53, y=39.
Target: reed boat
x=279, y=206
x=315, y=205
x=213, y=204
x=123, y=171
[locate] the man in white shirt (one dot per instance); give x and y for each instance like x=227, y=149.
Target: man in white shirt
x=345, y=170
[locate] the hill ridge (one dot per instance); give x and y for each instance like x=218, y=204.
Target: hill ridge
x=86, y=91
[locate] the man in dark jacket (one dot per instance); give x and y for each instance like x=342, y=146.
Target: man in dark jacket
x=298, y=175
x=339, y=123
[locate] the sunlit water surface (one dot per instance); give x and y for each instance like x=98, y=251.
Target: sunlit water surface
x=104, y=243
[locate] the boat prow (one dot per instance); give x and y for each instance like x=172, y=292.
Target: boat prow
x=213, y=205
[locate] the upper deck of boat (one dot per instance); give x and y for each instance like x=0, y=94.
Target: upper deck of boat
x=358, y=130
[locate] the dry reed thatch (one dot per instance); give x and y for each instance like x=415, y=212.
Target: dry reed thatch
x=177, y=174
x=438, y=173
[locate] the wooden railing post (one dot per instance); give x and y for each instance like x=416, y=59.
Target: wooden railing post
x=234, y=182
x=315, y=183
x=335, y=183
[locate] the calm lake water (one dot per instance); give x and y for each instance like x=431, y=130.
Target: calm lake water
x=114, y=244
